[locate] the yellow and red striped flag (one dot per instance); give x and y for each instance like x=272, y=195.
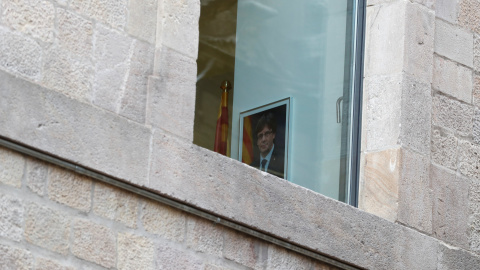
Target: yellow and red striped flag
x=247, y=147
x=221, y=133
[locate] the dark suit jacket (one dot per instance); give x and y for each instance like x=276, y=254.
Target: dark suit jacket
x=277, y=163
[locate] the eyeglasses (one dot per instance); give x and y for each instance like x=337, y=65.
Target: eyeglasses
x=265, y=134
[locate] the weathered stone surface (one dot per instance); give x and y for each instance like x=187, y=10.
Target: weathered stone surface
x=379, y=192
x=476, y=127
x=113, y=13
x=455, y=258
x=69, y=188
x=163, y=220
x=322, y=266
x=476, y=52
x=452, y=114
x=34, y=17
x=11, y=217
x=14, y=258
x=427, y=3
x=415, y=192
x=476, y=90
x=36, y=175
x=178, y=24
x=135, y=252
x=454, y=42
x=75, y=34
x=115, y=204
x=171, y=96
x=383, y=97
x=204, y=236
x=94, y=243
x=450, y=207
x=474, y=219
x=48, y=264
x=134, y=101
x=11, y=167
x=174, y=258
x=416, y=115
x=245, y=250
x=447, y=10
x=142, y=19
x=73, y=130
x=444, y=149
x=280, y=258
x=469, y=14
x=47, y=228
x=20, y=55
x=453, y=79
x=469, y=159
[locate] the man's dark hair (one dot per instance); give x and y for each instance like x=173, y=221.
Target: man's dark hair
x=266, y=120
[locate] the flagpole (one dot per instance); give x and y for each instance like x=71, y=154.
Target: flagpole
x=221, y=133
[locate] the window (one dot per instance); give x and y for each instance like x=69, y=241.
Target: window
x=299, y=63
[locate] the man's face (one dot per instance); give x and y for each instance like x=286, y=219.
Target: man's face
x=265, y=140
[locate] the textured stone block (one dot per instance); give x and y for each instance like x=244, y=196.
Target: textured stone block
x=47, y=228
x=415, y=192
x=14, y=258
x=476, y=52
x=142, y=19
x=452, y=115
x=453, y=79
x=322, y=266
x=476, y=127
x=36, y=175
x=135, y=252
x=476, y=89
x=48, y=264
x=168, y=257
x=280, y=258
x=447, y=10
x=383, y=97
x=94, y=243
x=73, y=130
x=35, y=18
x=450, y=207
x=163, y=220
x=70, y=189
x=11, y=167
x=245, y=250
x=178, y=23
x=20, y=55
x=171, y=96
x=469, y=159
x=11, y=217
x=115, y=204
x=455, y=258
x=75, y=34
x=454, y=42
x=469, y=15
x=113, y=13
x=444, y=149
x=204, y=236
x=474, y=219
x=416, y=115
x=379, y=191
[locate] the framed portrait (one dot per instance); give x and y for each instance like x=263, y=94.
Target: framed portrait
x=264, y=136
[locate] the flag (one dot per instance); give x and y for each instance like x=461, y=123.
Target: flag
x=221, y=133
x=247, y=147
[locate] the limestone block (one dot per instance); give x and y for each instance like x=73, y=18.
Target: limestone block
x=323, y=266
x=134, y=100
x=476, y=127
x=113, y=13
x=280, y=258
x=452, y=114
x=47, y=228
x=379, y=192
x=469, y=159
x=450, y=207
x=20, y=55
x=455, y=258
x=178, y=21
x=135, y=252
x=415, y=192
x=204, y=236
x=142, y=19
x=453, y=79
x=454, y=42
x=163, y=220
x=71, y=189
x=469, y=15
x=32, y=17
x=62, y=2
x=11, y=217
x=476, y=52
x=444, y=149
x=474, y=197
x=383, y=96
x=75, y=34
x=476, y=90
x=474, y=219
x=168, y=257
x=73, y=130
x=67, y=74
x=112, y=51
x=11, y=167
x=48, y=264
x=245, y=250
x=416, y=115
x=447, y=10
x=115, y=204
x=94, y=243
x=15, y=258
x=36, y=175
x=171, y=96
